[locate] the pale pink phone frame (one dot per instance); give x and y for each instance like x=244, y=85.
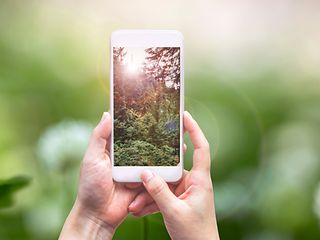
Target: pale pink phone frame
x=148, y=38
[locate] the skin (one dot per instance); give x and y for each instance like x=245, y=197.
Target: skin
x=188, y=207
x=102, y=204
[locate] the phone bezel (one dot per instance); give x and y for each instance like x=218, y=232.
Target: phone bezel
x=147, y=38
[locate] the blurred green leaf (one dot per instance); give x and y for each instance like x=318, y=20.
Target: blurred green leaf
x=10, y=186
x=131, y=228
x=155, y=228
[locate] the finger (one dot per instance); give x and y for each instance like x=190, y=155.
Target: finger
x=144, y=198
x=108, y=145
x=186, y=193
x=133, y=185
x=159, y=191
x=140, y=202
x=184, y=148
x=201, y=156
x=149, y=209
x=172, y=186
x=131, y=194
x=181, y=187
x=99, y=137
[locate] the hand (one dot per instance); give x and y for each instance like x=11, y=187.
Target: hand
x=101, y=204
x=187, y=208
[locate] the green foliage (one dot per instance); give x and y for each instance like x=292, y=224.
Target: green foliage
x=261, y=117
x=149, y=228
x=146, y=124
x=141, y=141
x=9, y=186
x=141, y=153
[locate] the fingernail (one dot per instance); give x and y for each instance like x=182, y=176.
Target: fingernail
x=105, y=115
x=189, y=114
x=146, y=176
x=132, y=204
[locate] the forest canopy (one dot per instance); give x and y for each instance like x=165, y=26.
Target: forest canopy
x=146, y=106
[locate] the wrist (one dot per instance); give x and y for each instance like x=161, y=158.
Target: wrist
x=82, y=225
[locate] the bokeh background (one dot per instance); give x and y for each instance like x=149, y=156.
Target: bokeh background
x=252, y=80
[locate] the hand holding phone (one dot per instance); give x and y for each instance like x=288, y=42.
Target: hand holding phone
x=101, y=204
x=187, y=208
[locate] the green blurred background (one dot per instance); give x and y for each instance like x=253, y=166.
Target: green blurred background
x=252, y=80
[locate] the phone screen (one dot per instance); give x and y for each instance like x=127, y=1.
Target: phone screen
x=146, y=106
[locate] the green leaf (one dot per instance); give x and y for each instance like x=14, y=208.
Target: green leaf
x=156, y=229
x=10, y=186
x=131, y=228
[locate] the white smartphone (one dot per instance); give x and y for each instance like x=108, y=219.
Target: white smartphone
x=146, y=104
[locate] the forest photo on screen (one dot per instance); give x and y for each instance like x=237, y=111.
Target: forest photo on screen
x=146, y=106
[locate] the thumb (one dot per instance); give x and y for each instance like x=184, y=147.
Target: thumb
x=100, y=135
x=159, y=190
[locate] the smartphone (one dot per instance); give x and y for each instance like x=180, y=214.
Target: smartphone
x=146, y=104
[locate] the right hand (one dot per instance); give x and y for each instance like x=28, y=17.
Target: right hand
x=187, y=208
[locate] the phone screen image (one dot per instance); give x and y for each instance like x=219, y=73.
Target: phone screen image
x=146, y=106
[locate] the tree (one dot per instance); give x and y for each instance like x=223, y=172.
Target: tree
x=163, y=65
x=146, y=104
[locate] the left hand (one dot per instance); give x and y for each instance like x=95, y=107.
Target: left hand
x=101, y=204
